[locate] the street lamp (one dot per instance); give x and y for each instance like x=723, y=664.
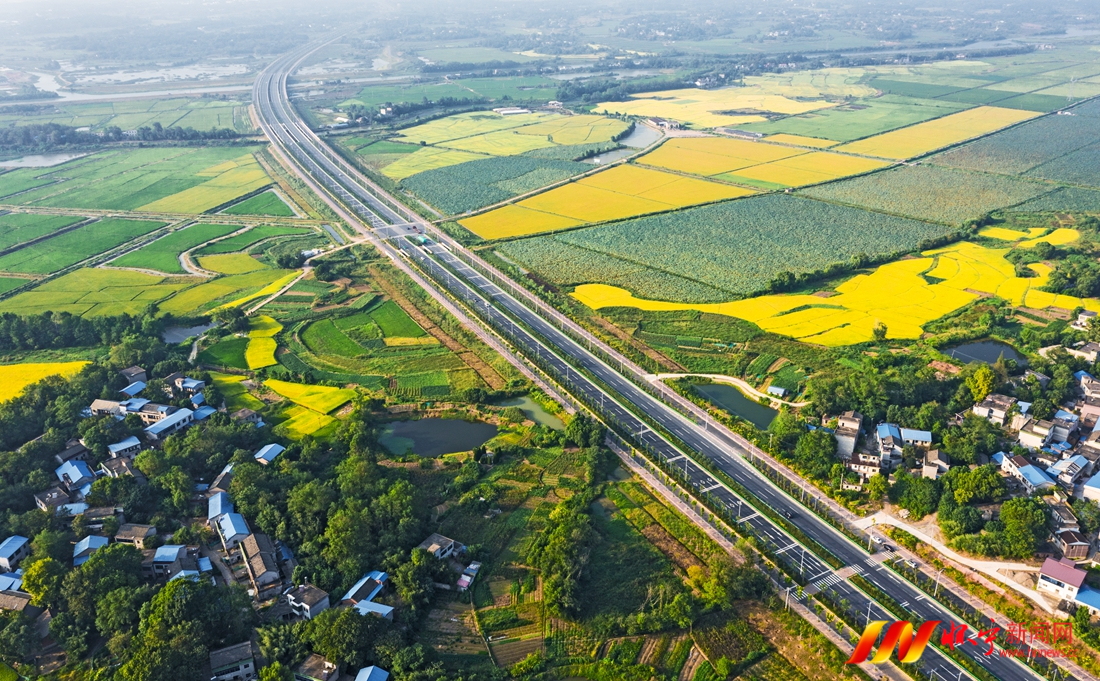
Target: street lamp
x=937, y=591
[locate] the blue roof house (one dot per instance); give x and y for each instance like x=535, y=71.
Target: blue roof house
x=917, y=438
x=268, y=453
x=216, y=506
x=372, y=673
x=361, y=595
x=233, y=530
x=127, y=447
x=76, y=476
x=12, y=550
x=889, y=439
x=86, y=547
x=1091, y=488
x=175, y=421
x=133, y=389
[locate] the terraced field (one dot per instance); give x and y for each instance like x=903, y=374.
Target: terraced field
x=319, y=398
x=261, y=342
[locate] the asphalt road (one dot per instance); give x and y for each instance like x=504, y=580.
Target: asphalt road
x=540, y=340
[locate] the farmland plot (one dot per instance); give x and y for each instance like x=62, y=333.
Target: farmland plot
x=253, y=236
x=17, y=228
x=725, y=247
x=472, y=185
x=94, y=292
x=319, y=398
x=704, y=108
x=1079, y=167
x=261, y=342
x=266, y=203
x=919, y=139
x=1068, y=199
x=231, y=263
x=229, y=289
x=427, y=158
x=74, y=246
x=14, y=378
x=930, y=193
x=1023, y=147
x=163, y=254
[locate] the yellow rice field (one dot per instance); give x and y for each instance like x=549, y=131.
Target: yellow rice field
x=302, y=422
x=700, y=108
x=709, y=156
x=14, y=378
x=199, y=296
x=503, y=143
x=320, y=398
x=261, y=344
x=427, y=158
x=583, y=129
x=620, y=192
x=268, y=290
x=467, y=125
x=1059, y=237
x=817, y=166
x=895, y=294
x=1005, y=234
x=922, y=138
x=227, y=181
x=231, y=263
x=799, y=140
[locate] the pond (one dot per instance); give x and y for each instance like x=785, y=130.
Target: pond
x=641, y=137
x=534, y=411
x=734, y=401
x=178, y=334
x=39, y=160
x=986, y=351
x=435, y=437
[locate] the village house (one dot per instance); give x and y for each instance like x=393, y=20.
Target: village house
x=84, y=548
x=117, y=468
x=134, y=374
x=994, y=408
x=259, y=560
x=307, y=601
x=131, y=446
x=1036, y=434
x=51, y=500
x=361, y=595
x=173, y=423
x=441, y=547
x=216, y=506
x=233, y=663
x=1032, y=477
x=1073, y=545
x=232, y=529
x=134, y=534
x=269, y=453
x=372, y=673
x=1083, y=319
x=1060, y=579
x=315, y=668
x=74, y=451
x=12, y=551
x=848, y=426
x=76, y=477
x=1088, y=352
x=1067, y=471
x=936, y=463
x=179, y=384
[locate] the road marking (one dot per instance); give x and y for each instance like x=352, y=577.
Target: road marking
x=785, y=548
x=713, y=487
x=747, y=518
x=814, y=579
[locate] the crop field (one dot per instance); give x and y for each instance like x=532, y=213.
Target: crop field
x=425, y=158
x=301, y=422
x=471, y=55
x=698, y=107
x=858, y=119
x=469, y=124
x=74, y=246
x=473, y=185
x=94, y=292
x=1064, y=199
x=800, y=141
x=1011, y=234
x=18, y=228
x=723, y=246
x=235, y=394
x=231, y=263
x=709, y=156
x=163, y=255
x=810, y=168
x=502, y=143
x=14, y=378
x=319, y=398
x=253, y=236
x=183, y=179
x=201, y=297
x=1058, y=237
x=1024, y=147
x=923, y=138
x=266, y=203
x=518, y=88
x=229, y=352
x=9, y=283
x=1077, y=167
x=395, y=322
x=897, y=294
x=930, y=193
x=620, y=192
x=200, y=114
x=378, y=153
x=261, y=342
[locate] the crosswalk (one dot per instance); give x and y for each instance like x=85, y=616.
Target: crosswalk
x=880, y=558
x=827, y=581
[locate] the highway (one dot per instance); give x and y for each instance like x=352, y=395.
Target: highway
x=535, y=334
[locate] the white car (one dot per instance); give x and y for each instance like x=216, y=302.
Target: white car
x=875, y=538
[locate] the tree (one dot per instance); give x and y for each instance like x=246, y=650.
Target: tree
x=343, y=636
x=877, y=486
x=879, y=332
x=1025, y=526
x=981, y=382
x=917, y=495
x=117, y=612
x=982, y=484
x=18, y=640
x=42, y=580
x=276, y=671
x=1088, y=514
x=284, y=643
x=414, y=579
x=815, y=452
x=975, y=437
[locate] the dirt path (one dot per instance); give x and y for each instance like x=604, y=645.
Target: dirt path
x=695, y=659
x=487, y=373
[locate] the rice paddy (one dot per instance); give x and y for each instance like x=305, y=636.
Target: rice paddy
x=922, y=138
x=158, y=179
x=319, y=398
x=74, y=246
x=197, y=113
x=427, y=158
x=265, y=203
x=231, y=289
x=231, y=263
x=18, y=228
x=897, y=294
x=94, y=292
x=163, y=255
x=302, y=422
x=255, y=235
x=235, y=393
x=620, y=192
x=14, y=378
x=704, y=108
x=261, y=342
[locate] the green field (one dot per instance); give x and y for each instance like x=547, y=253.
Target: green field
x=720, y=250
x=236, y=395
x=471, y=55
x=168, y=179
x=519, y=88
x=221, y=290
x=930, y=193
x=200, y=114
x=163, y=254
x=255, y=235
x=9, y=283
x=475, y=184
x=859, y=119
x=323, y=338
x=267, y=203
x=226, y=353
x=72, y=247
x=395, y=322
x=17, y=228
x=94, y=292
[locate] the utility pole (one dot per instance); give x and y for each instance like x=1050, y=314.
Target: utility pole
x=937, y=591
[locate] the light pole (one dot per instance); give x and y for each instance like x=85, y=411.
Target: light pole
x=937, y=591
